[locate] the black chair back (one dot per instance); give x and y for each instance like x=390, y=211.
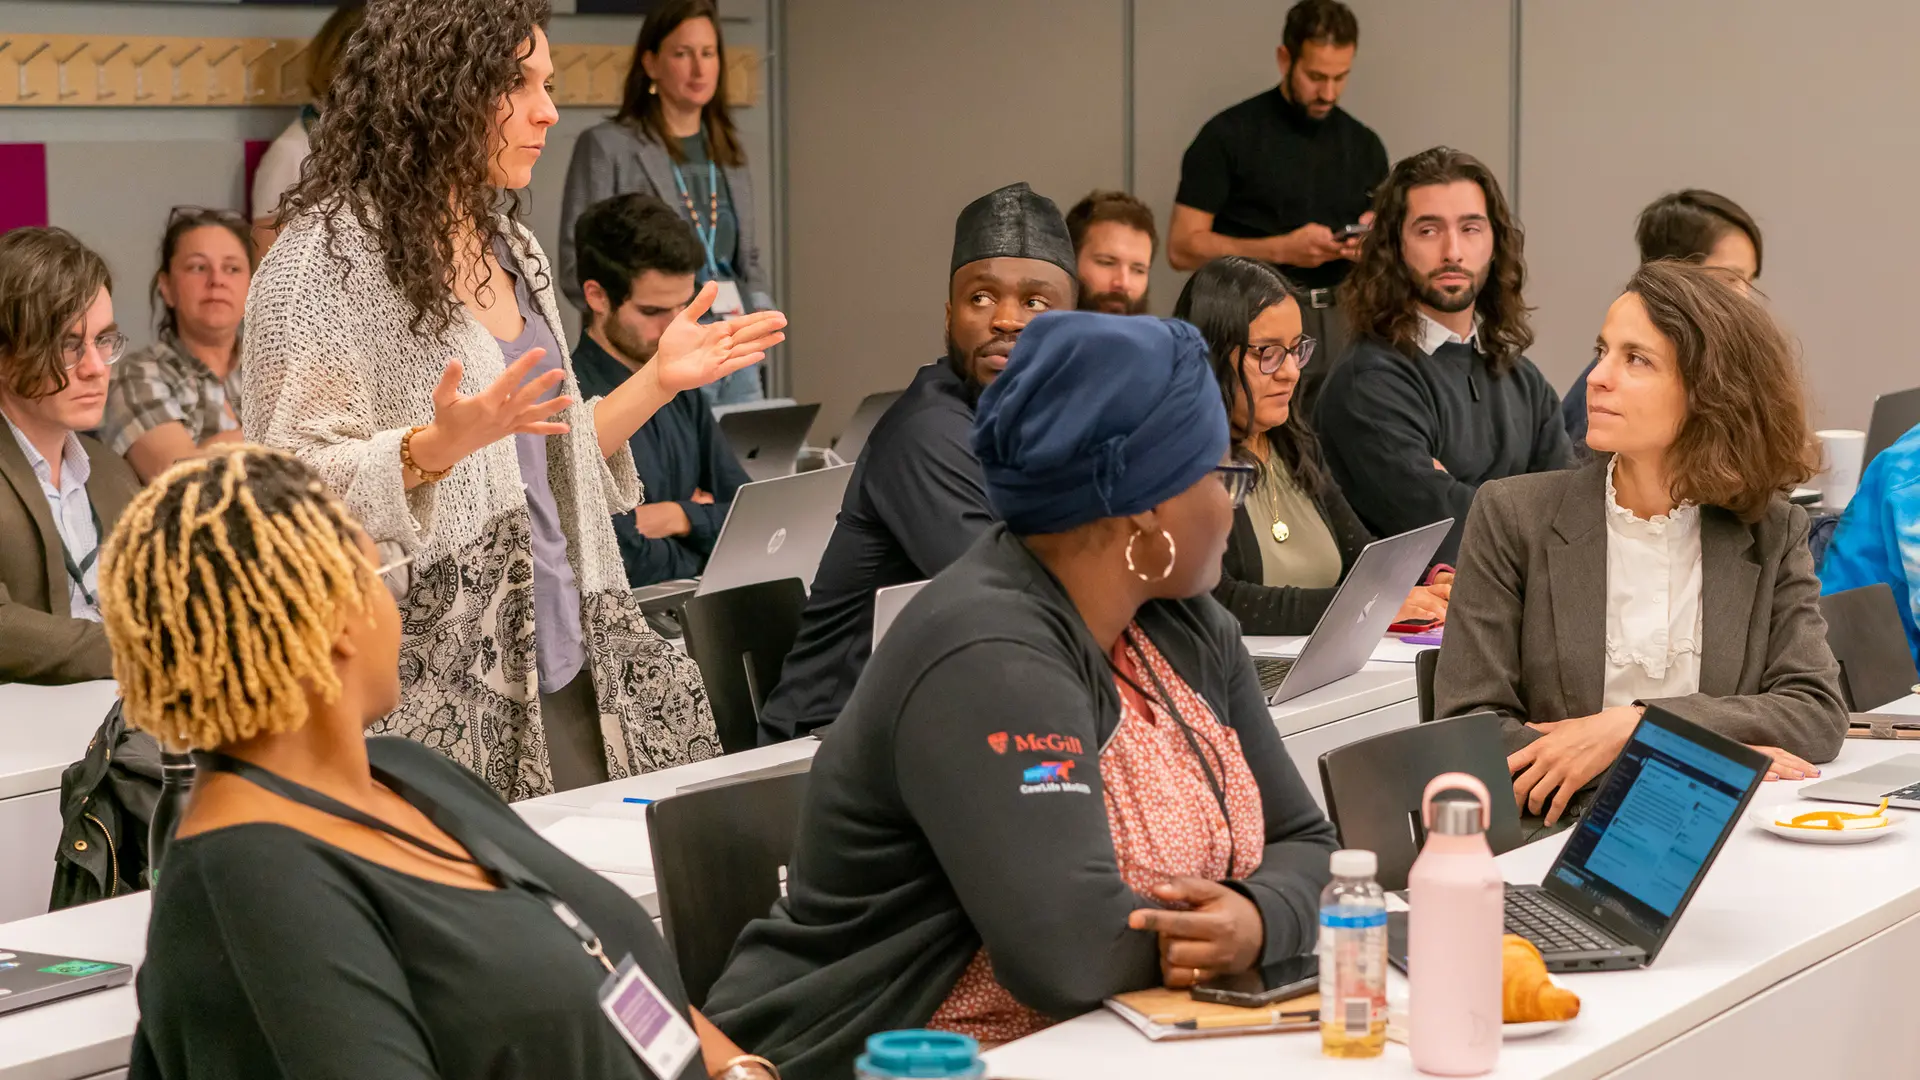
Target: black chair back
x=1894, y=415
x=1867, y=638
x=717, y=854
x=1373, y=787
x=740, y=637
x=1425, y=662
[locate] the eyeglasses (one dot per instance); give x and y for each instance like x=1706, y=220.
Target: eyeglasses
x=111, y=345
x=1272, y=356
x=1237, y=479
x=205, y=215
x=397, y=576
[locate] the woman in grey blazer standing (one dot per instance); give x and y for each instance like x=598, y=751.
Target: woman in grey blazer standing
x=402, y=341
x=1669, y=571
x=674, y=139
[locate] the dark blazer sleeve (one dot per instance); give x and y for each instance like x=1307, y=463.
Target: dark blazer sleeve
x=928, y=490
x=1379, y=437
x=1035, y=873
x=720, y=476
x=1480, y=665
x=1293, y=868
x=1799, y=707
x=37, y=647
x=1284, y=609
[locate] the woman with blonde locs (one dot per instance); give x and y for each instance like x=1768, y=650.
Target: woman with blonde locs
x=249, y=624
x=403, y=342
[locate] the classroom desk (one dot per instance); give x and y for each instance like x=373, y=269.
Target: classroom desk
x=1378, y=698
x=1793, y=960
x=89, y=1036
x=43, y=729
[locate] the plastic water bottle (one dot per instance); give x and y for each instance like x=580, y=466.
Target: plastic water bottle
x=1453, y=936
x=924, y=1055
x=1353, y=959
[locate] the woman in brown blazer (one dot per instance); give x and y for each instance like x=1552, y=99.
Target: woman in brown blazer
x=1669, y=571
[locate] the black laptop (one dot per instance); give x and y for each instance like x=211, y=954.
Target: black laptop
x=29, y=979
x=1631, y=864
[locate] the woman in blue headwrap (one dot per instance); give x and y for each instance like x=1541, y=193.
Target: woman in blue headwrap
x=1057, y=779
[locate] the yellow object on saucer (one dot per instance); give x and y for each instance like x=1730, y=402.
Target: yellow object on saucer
x=1837, y=820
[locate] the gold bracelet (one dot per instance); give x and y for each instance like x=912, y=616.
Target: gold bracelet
x=406, y=458
x=735, y=1069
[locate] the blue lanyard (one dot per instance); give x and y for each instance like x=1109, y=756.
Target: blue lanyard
x=709, y=235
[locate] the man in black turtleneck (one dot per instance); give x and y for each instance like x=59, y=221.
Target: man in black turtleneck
x=916, y=500
x=1279, y=176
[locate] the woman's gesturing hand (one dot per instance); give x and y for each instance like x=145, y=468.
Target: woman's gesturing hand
x=511, y=406
x=692, y=355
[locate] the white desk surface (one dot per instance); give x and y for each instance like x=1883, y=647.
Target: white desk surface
x=1769, y=909
x=81, y=1036
x=44, y=729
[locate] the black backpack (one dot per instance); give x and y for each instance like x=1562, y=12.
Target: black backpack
x=106, y=804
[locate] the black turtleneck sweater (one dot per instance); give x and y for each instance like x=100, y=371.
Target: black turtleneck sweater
x=1264, y=167
x=1385, y=417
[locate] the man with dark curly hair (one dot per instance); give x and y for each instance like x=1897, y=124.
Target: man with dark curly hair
x=1436, y=399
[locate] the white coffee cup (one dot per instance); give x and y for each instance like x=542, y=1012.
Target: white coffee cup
x=1841, y=454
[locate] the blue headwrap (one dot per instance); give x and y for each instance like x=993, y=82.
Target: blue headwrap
x=1097, y=416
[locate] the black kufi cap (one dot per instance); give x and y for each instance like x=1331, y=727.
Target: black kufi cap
x=1012, y=223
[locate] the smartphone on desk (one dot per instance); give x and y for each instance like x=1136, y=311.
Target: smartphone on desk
x=1293, y=977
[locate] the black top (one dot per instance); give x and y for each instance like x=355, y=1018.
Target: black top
x=274, y=954
x=1264, y=167
x=1283, y=609
x=916, y=845
x=679, y=449
x=914, y=503
x=1385, y=418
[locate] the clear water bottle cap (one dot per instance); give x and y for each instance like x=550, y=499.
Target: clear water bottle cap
x=1355, y=863
x=942, y=1054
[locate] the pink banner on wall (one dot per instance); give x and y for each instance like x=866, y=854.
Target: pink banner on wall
x=23, y=185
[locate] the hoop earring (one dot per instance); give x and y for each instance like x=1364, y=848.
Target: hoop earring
x=1173, y=555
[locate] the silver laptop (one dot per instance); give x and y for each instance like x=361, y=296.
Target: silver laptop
x=887, y=604
x=767, y=441
x=1354, y=623
x=776, y=529
x=854, y=439
x=1895, y=779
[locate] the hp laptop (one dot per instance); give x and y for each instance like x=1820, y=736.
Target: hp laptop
x=1358, y=618
x=768, y=441
x=29, y=979
x=776, y=529
x=887, y=604
x=1895, y=779
x=854, y=439
x=1631, y=864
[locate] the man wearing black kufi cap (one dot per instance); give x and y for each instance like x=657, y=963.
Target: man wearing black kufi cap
x=916, y=500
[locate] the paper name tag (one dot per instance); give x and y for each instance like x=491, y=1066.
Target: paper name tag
x=648, y=1021
x=729, y=303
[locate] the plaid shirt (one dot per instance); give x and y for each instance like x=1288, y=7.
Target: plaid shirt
x=161, y=384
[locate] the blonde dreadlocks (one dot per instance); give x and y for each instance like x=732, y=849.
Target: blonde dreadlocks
x=222, y=589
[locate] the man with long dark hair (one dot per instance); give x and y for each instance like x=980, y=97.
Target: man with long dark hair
x=1436, y=399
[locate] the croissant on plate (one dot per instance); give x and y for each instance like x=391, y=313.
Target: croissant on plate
x=1526, y=992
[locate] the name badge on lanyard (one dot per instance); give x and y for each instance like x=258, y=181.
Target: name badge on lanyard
x=729, y=303
x=648, y=1021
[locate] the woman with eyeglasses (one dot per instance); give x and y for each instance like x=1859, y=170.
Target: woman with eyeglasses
x=1295, y=538
x=180, y=396
x=60, y=491
x=1130, y=817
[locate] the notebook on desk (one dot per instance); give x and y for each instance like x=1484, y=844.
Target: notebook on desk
x=30, y=979
x=1162, y=1014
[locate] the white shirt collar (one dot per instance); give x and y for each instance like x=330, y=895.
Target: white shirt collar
x=1433, y=335
x=75, y=468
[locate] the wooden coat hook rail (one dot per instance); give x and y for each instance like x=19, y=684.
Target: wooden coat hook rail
x=130, y=70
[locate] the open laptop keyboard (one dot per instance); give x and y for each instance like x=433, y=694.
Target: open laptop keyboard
x=1532, y=916
x=1911, y=793
x=1272, y=671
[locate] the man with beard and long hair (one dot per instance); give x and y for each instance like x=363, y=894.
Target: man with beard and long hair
x=1436, y=399
x=638, y=260
x=916, y=501
x=1113, y=243
x=1287, y=177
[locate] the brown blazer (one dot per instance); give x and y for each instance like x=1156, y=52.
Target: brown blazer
x=39, y=641
x=1526, y=627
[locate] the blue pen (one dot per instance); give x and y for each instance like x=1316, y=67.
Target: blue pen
x=642, y=802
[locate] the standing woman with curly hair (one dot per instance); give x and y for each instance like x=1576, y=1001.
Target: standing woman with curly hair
x=402, y=341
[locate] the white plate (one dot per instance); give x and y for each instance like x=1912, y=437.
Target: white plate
x=1765, y=816
x=1533, y=1029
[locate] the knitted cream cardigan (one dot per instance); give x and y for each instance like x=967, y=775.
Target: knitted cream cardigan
x=335, y=376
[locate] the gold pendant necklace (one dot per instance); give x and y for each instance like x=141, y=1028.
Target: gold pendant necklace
x=1280, y=530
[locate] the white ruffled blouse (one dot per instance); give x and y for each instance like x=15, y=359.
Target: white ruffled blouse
x=1653, y=603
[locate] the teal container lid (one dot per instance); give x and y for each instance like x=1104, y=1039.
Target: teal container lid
x=930, y=1054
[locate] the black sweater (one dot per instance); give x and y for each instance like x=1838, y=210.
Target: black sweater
x=917, y=844
x=1385, y=417
x=1284, y=609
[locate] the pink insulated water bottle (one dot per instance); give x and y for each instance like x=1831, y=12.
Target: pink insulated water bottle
x=1453, y=936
